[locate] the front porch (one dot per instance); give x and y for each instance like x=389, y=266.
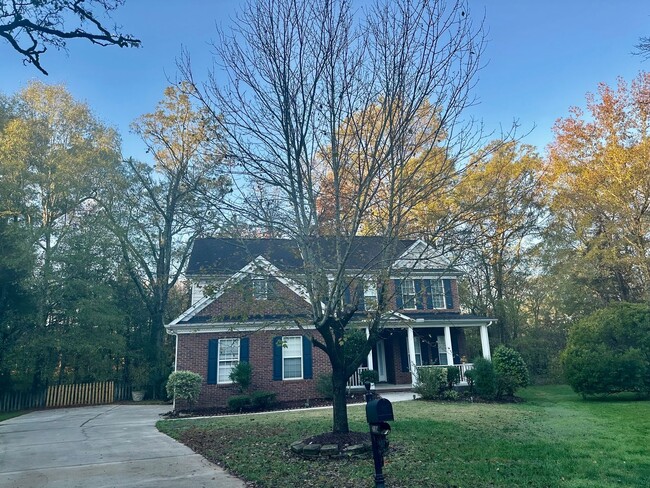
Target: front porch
x=401, y=350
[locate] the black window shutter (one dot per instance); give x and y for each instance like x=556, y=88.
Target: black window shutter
x=404, y=354
x=427, y=286
x=424, y=347
x=398, y=294
x=418, y=294
x=244, y=348
x=449, y=297
x=307, y=361
x=213, y=350
x=361, y=302
x=277, y=358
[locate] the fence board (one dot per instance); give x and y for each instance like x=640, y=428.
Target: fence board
x=80, y=394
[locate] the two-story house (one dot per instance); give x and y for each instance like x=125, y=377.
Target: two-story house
x=248, y=305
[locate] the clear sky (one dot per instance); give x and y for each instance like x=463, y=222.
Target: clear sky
x=543, y=56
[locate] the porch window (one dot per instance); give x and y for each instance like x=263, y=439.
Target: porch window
x=227, y=359
x=370, y=296
x=260, y=288
x=408, y=294
x=437, y=294
x=292, y=358
x=442, y=350
x=418, y=351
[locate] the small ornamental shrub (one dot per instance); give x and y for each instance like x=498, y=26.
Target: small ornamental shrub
x=484, y=378
x=452, y=395
x=242, y=375
x=239, y=403
x=431, y=382
x=609, y=351
x=324, y=386
x=453, y=376
x=184, y=385
x=510, y=371
x=369, y=375
x=262, y=400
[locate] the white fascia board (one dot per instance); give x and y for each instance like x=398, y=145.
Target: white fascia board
x=258, y=262
x=209, y=327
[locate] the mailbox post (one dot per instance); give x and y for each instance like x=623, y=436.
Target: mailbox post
x=378, y=413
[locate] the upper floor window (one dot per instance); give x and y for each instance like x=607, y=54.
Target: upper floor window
x=370, y=296
x=260, y=288
x=408, y=294
x=437, y=294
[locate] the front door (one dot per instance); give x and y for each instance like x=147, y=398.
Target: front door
x=381, y=360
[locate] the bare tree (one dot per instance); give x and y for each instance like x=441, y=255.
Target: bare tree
x=361, y=108
x=30, y=26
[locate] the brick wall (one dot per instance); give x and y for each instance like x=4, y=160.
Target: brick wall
x=193, y=356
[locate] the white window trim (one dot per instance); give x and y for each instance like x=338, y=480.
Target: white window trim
x=417, y=344
x=264, y=280
x=284, y=351
x=219, y=360
x=414, y=295
x=442, y=294
x=370, y=293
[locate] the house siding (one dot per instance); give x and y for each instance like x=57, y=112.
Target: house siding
x=193, y=356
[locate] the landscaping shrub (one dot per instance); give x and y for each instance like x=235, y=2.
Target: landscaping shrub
x=369, y=375
x=184, y=385
x=453, y=376
x=262, y=400
x=450, y=395
x=609, y=351
x=242, y=375
x=510, y=371
x=239, y=403
x=431, y=382
x=324, y=386
x=484, y=378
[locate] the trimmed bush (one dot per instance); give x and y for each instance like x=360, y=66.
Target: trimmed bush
x=510, y=371
x=242, y=375
x=262, y=400
x=431, y=382
x=484, y=378
x=184, y=385
x=453, y=376
x=324, y=386
x=369, y=375
x=239, y=403
x=609, y=351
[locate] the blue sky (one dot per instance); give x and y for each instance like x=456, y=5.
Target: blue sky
x=542, y=58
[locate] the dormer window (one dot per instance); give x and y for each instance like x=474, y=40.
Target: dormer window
x=408, y=294
x=260, y=288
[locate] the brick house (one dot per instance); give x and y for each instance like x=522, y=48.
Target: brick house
x=247, y=302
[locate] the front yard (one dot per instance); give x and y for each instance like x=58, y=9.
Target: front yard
x=553, y=439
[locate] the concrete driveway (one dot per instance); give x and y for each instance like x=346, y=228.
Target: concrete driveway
x=100, y=447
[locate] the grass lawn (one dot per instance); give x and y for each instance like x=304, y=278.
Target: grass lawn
x=10, y=415
x=554, y=439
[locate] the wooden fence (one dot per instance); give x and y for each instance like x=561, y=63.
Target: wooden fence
x=66, y=396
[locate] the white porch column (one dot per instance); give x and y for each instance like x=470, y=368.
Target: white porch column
x=411, y=351
x=485, y=342
x=450, y=350
x=370, y=365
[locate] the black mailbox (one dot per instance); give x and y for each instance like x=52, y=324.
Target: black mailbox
x=378, y=411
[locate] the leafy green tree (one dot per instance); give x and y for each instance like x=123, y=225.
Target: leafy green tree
x=156, y=211
x=609, y=351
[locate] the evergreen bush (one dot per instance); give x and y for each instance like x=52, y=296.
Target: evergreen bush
x=184, y=385
x=484, y=378
x=432, y=382
x=510, y=371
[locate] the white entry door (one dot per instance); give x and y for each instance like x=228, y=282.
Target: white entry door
x=381, y=360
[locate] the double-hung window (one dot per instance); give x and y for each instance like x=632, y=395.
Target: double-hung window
x=408, y=294
x=418, y=351
x=370, y=296
x=260, y=288
x=227, y=358
x=437, y=294
x=292, y=358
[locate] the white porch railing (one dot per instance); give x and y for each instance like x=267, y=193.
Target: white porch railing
x=462, y=368
x=355, y=379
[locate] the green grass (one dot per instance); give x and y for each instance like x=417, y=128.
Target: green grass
x=10, y=415
x=554, y=439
